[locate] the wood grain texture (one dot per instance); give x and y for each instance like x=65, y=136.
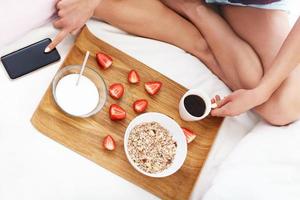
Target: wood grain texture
x=85, y=136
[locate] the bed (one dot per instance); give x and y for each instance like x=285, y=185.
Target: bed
x=34, y=167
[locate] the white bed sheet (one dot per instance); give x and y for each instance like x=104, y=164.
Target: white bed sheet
x=264, y=165
x=34, y=167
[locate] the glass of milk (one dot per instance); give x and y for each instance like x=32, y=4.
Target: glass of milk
x=82, y=100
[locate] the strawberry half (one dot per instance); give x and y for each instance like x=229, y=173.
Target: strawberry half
x=109, y=143
x=153, y=87
x=190, y=135
x=116, y=90
x=104, y=61
x=140, y=105
x=116, y=112
x=133, y=77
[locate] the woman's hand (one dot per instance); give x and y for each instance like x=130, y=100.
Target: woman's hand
x=239, y=102
x=72, y=16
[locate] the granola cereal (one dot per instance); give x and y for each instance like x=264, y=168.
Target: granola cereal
x=151, y=147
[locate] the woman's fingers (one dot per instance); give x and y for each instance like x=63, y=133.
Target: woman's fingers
x=72, y=14
x=58, y=24
x=59, y=37
x=59, y=4
x=76, y=31
x=224, y=101
x=213, y=100
x=222, y=111
x=218, y=98
x=223, y=108
x=219, y=112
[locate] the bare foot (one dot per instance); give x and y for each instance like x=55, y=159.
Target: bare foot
x=182, y=7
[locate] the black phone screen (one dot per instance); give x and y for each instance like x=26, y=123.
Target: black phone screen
x=29, y=58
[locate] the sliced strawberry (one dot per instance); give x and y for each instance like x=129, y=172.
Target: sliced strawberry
x=190, y=135
x=116, y=112
x=153, y=87
x=116, y=90
x=140, y=105
x=104, y=61
x=133, y=77
x=109, y=143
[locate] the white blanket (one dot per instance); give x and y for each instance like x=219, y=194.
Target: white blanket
x=265, y=165
x=17, y=17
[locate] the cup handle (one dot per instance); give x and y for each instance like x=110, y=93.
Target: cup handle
x=214, y=105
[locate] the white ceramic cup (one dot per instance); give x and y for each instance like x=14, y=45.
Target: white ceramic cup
x=185, y=115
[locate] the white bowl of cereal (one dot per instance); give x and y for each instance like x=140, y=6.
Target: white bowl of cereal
x=155, y=145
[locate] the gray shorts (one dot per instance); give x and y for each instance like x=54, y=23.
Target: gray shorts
x=278, y=5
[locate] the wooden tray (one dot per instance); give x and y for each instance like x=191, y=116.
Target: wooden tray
x=85, y=136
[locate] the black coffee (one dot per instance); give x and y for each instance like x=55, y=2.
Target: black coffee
x=195, y=105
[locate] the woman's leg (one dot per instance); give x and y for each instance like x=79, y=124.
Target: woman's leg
x=284, y=105
x=154, y=20
x=266, y=30
x=237, y=59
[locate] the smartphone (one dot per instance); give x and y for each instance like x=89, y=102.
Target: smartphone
x=29, y=59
